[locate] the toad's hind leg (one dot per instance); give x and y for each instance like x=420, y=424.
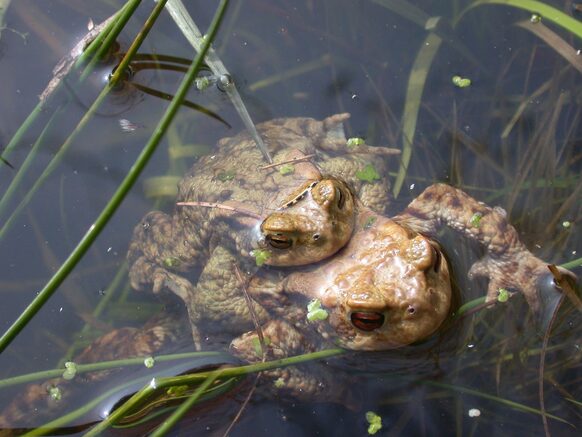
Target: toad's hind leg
x=218, y=302
x=507, y=264
x=309, y=381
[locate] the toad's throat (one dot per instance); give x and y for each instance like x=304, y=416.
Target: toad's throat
x=367, y=321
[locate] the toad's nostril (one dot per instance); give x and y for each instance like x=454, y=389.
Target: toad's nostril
x=367, y=321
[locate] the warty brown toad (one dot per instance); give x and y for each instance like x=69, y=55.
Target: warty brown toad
x=228, y=202
x=387, y=287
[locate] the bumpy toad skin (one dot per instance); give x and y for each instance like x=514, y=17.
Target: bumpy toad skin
x=304, y=217
x=390, y=285
x=314, y=225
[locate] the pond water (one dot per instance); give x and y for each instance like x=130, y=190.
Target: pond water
x=512, y=138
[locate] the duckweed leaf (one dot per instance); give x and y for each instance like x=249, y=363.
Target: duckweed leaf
x=315, y=312
x=352, y=143
x=70, y=370
x=287, y=169
x=261, y=256
x=476, y=219
x=461, y=82
x=55, y=392
x=368, y=174
x=370, y=222
x=375, y=422
x=171, y=262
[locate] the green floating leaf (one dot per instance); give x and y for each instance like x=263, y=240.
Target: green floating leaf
x=375, y=422
x=55, y=392
x=202, y=83
x=261, y=256
x=70, y=370
x=287, y=169
x=172, y=262
x=315, y=312
x=503, y=295
x=368, y=174
x=352, y=143
x=535, y=18
x=476, y=219
x=461, y=82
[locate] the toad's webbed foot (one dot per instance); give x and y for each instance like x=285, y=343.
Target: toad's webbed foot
x=144, y=273
x=522, y=272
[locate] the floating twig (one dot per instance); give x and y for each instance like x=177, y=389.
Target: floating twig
x=288, y=161
x=259, y=330
x=221, y=206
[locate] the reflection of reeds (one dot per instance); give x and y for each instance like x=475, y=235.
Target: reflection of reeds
x=537, y=163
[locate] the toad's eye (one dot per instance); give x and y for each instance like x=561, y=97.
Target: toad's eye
x=341, y=199
x=367, y=321
x=279, y=241
x=436, y=258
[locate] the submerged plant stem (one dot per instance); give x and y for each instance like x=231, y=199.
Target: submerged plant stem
x=163, y=383
x=169, y=423
x=185, y=23
x=95, y=52
x=121, y=192
x=546, y=11
x=414, y=91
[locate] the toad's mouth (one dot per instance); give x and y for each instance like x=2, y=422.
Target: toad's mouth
x=367, y=321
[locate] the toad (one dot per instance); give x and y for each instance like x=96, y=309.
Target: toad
x=386, y=286
x=283, y=215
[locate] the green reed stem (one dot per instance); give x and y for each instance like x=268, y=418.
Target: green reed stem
x=171, y=421
x=91, y=50
x=502, y=401
x=547, y=12
x=104, y=365
x=94, y=52
x=414, y=90
x=163, y=383
x=119, y=195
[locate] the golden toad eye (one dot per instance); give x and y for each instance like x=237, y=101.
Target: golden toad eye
x=279, y=241
x=341, y=200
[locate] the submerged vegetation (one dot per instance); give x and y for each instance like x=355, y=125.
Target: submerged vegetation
x=485, y=95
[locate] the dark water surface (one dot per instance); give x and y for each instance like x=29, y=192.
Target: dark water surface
x=312, y=58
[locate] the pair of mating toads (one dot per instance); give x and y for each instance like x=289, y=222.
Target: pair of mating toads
x=317, y=223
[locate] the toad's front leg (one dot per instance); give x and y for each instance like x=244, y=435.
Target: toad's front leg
x=162, y=247
x=508, y=263
x=310, y=382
